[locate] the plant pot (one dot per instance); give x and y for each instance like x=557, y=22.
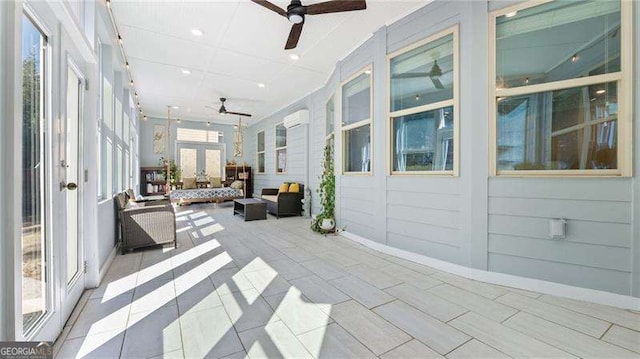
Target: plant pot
x=327, y=224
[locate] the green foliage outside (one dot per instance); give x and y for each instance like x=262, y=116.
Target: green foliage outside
x=176, y=172
x=326, y=190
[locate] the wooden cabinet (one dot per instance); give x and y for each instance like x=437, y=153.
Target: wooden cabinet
x=153, y=181
x=240, y=173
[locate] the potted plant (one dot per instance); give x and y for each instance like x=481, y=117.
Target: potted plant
x=325, y=221
x=176, y=172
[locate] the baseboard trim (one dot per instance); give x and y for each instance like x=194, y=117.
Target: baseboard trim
x=107, y=264
x=535, y=285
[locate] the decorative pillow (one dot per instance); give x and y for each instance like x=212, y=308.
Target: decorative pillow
x=215, y=182
x=294, y=187
x=131, y=196
x=283, y=188
x=189, y=183
x=237, y=185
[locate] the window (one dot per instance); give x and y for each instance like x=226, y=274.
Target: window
x=99, y=124
x=562, y=89
x=189, y=162
x=35, y=300
x=191, y=135
x=260, y=152
x=213, y=163
x=330, y=115
x=281, y=148
x=118, y=115
x=356, y=123
x=106, y=171
x=108, y=167
x=423, y=99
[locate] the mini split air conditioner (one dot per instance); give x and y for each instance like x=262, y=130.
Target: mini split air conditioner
x=296, y=119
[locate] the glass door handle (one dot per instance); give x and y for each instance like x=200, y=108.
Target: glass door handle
x=70, y=186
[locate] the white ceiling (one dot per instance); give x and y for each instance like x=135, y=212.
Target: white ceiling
x=242, y=45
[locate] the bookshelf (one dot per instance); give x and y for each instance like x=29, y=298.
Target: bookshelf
x=239, y=173
x=152, y=181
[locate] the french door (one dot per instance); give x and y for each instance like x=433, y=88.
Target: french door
x=71, y=187
x=52, y=257
x=200, y=160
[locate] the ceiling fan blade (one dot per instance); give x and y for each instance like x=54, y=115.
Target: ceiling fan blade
x=238, y=113
x=294, y=36
x=271, y=7
x=336, y=6
x=436, y=82
x=410, y=75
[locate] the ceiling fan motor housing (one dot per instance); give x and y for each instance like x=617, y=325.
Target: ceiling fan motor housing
x=296, y=12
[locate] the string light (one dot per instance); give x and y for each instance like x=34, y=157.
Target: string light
x=575, y=58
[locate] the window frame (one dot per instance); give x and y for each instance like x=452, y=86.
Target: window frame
x=276, y=148
x=263, y=152
x=625, y=96
x=454, y=102
x=369, y=121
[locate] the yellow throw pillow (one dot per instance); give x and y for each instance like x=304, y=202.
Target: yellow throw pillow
x=294, y=187
x=189, y=183
x=284, y=188
x=216, y=182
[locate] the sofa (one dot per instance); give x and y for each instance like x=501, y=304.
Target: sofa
x=282, y=204
x=145, y=224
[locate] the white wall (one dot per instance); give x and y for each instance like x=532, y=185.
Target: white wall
x=488, y=223
x=73, y=30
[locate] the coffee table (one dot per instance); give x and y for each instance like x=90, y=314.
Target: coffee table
x=250, y=208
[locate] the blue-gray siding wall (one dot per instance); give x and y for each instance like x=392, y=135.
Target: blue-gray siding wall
x=148, y=158
x=297, y=149
x=490, y=223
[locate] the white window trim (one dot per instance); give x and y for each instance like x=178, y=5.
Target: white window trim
x=625, y=96
x=368, y=121
x=454, y=102
x=258, y=153
x=275, y=144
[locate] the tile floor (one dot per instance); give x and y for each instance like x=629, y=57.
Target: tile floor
x=274, y=289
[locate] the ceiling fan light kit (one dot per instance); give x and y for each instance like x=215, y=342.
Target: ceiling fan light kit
x=296, y=12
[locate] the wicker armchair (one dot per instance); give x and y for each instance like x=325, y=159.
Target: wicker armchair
x=147, y=225
x=283, y=204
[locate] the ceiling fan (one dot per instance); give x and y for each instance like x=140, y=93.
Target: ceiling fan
x=296, y=12
x=434, y=74
x=223, y=110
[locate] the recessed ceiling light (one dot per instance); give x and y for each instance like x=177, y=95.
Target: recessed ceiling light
x=294, y=57
x=175, y=107
x=511, y=14
x=261, y=85
x=600, y=92
x=196, y=32
x=186, y=71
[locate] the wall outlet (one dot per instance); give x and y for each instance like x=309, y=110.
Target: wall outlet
x=557, y=228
